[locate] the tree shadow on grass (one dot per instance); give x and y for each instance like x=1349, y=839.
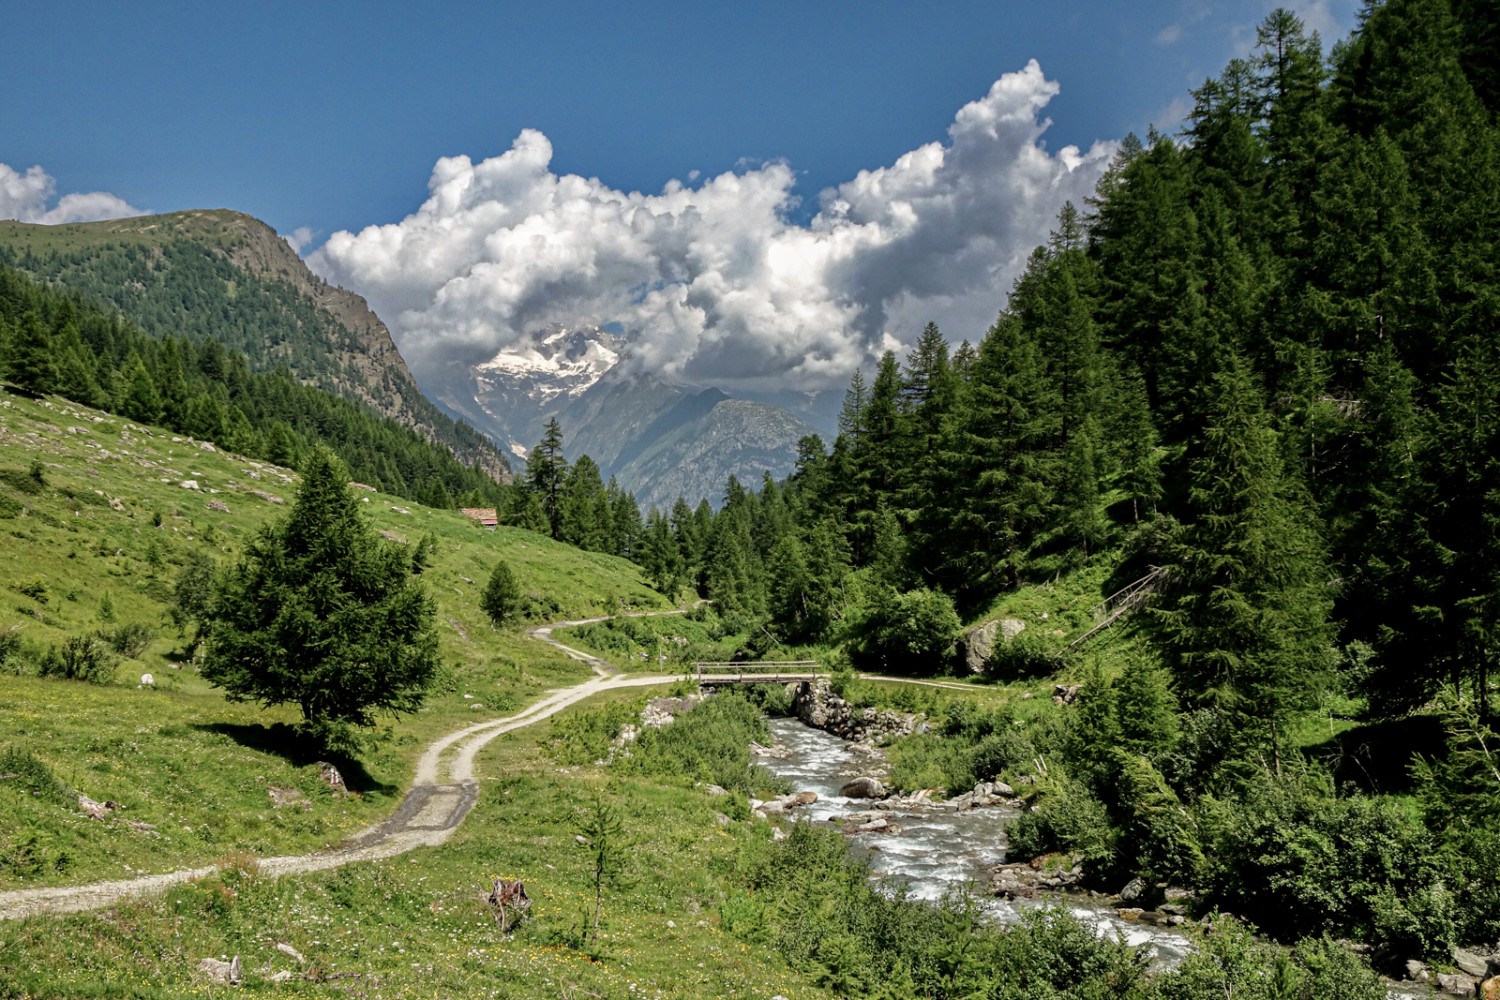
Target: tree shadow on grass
x=1377, y=756
x=300, y=750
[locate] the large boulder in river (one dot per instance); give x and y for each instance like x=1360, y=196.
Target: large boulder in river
x=863, y=788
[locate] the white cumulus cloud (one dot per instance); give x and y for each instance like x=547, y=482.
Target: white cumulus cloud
x=298, y=239
x=25, y=197
x=712, y=279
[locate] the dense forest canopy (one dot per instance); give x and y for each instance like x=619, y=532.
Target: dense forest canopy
x=1260, y=367
x=1264, y=354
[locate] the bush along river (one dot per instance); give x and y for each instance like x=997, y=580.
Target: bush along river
x=935, y=848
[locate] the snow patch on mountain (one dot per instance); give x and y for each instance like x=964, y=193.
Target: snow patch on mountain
x=552, y=362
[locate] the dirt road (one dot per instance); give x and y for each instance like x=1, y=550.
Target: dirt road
x=442, y=793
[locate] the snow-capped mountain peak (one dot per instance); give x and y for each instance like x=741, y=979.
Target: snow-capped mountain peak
x=555, y=361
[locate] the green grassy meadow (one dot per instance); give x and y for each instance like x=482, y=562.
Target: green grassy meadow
x=416, y=925
x=96, y=546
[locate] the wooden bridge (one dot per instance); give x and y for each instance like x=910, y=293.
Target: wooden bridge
x=710, y=674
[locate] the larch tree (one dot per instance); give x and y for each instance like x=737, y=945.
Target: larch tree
x=1247, y=629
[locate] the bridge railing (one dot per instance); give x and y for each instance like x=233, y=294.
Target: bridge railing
x=712, y=672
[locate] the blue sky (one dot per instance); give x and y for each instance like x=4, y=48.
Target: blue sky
x=330, y=117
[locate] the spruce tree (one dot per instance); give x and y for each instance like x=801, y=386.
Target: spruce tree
x=583, y=511
x=323, y=614
x=30, y=365
x=546, y=471
x=502, y=599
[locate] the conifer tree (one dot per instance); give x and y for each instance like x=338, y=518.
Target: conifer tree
x=583, y=510
x=323, y=614
x=139, y=400
x=1247, y=629
x=502, y=598
x=30, y=365
x=546, y=471
x=660, y=557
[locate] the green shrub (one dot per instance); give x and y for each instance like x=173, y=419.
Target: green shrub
x=10, y=644
x=1065, y=818
x=1229, y=962
x=907, y=632
x=130, y=639
x=772, y=699
x=1289, y=856
x=25, y=775
x=31, y=481
x=34, y=589
x=710, y=744
x=929, y=760
x=584, y=737
x=81, y=658
x=1030, y=654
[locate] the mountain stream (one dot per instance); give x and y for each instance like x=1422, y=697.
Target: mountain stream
x=939, y=850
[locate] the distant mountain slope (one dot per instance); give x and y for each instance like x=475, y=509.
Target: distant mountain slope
x=222, y=275
x=734, y=437
x=659, y=440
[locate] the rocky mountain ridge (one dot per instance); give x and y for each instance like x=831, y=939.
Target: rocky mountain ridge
x=658, y=439
x=223, y=275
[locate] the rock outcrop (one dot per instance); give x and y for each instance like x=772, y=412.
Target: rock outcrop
x=816, y=704
x=977, y=645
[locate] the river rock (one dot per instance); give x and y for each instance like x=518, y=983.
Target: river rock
x=1472, y=963
x=804, y=798
x=291, y=952
x=1024, y=879
x=331, y=777
x=221, y=971
x=863, y=788
x=1490, y=989
x=815, y=704
x=1459, y=984
x=664, y=711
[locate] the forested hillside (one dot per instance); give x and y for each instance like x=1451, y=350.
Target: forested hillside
x=51, y=342
x=223, y=276
x=1265, y=357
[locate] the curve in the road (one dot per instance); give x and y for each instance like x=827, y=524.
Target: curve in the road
x=442, y=794
x=428, y=814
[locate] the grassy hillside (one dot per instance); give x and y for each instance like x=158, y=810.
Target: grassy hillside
x=99, y=517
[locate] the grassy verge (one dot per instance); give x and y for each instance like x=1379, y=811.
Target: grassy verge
x=668, y=643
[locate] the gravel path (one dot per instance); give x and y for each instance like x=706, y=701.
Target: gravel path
x=442, y=794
